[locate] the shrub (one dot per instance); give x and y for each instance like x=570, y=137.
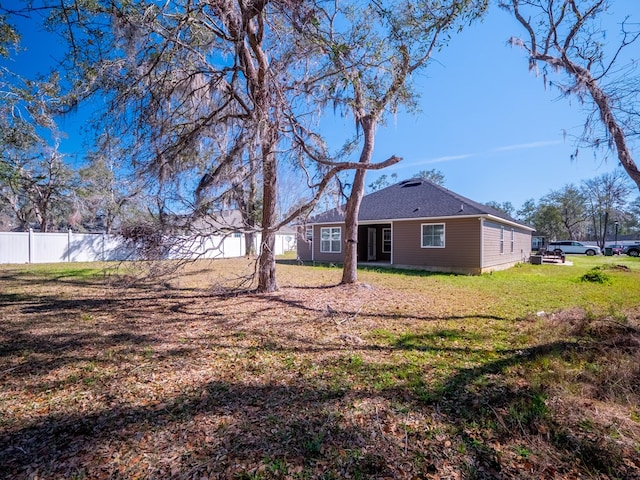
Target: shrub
x=596, y=275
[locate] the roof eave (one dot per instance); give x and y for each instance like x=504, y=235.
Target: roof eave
x=440, y=217
x=508, y=222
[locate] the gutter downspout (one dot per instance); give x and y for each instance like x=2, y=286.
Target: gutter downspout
x=392, y=242
x=481, y=244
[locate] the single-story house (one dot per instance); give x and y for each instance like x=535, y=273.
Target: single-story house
x=419, y=224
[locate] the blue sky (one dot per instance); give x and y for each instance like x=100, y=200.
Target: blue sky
x=486, y=122
x=489, y=125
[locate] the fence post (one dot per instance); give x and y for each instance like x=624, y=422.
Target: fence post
x=31, y=245
x=69, y=245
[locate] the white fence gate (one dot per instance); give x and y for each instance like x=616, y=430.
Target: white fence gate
x=35, y=247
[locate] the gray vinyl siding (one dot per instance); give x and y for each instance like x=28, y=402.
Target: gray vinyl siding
x=461, y=252
x=323, y=256
x=466, y=240
x=493, y=258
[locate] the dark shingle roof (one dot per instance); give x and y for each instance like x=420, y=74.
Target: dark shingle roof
x=415, y=198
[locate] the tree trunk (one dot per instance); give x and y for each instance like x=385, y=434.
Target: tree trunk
x=603, y=240
x=251, y=212
x=350, y=268
x=267, y=260
x=249, y=243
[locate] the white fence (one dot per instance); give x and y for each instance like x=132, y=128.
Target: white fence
x=35, y=247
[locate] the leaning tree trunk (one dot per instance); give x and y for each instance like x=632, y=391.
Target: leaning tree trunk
x=611, y=124
x=350, y=268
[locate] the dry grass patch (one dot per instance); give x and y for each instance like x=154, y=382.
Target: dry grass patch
x=401, y=376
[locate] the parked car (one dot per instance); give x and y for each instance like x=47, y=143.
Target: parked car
x=571, y=246
x=632, y=250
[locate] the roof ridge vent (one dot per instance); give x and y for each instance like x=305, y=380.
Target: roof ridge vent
x=411, y=183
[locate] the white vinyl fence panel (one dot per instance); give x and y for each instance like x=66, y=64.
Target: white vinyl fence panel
x=49, y=247
x=213, y=246
x=285, y=243
x=14, y=247
x=35, y=247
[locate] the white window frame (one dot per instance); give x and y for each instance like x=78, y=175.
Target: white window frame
x=501, y=239
x=444, y=235
x=513, y=239
x=308, y=234
x=385, y=242
x=333, y=233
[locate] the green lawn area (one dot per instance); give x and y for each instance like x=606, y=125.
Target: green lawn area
x=137, y=371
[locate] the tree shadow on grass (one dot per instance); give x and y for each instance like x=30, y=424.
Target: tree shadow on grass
x=325, y=310
x=327, y=427
x=335, y=418
x=218, y=428
x=489, y=413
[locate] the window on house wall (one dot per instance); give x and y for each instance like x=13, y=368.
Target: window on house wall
x=308, y=234
x=501, y=239
x=432, y=235
x=386, y=240
x=331, y=240
x=513, y=239
x=237, y=235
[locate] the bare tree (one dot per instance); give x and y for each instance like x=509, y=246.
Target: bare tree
x=547, y=220
x=49, y=186
x=631, y=218
x=105, y=188
x=195, y=98
x=505, y=207
x=567, y=37
x=206, y=100
x=35, y=182
x=369, y=55
x=17, y=143
x=606, y=197
x=571, y=204
x=38, y=186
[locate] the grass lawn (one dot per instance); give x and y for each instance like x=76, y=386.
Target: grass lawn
x=533, y=372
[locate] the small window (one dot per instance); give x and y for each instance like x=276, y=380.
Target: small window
x=308, y=234
x=432, y=235
x=386, y=240
x=237, y=234
x=331, y=240
x=513, y=239
x=501, y=239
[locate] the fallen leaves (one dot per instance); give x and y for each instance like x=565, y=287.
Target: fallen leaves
x=155, y=383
